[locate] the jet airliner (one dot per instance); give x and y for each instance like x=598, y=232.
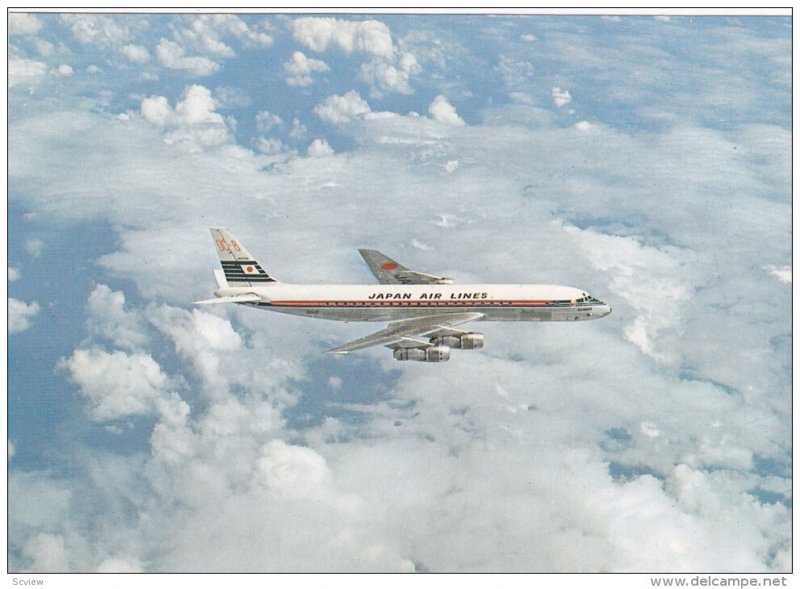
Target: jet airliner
x=423, y=311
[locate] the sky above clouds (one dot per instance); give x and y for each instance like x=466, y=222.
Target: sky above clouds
x=646, y=160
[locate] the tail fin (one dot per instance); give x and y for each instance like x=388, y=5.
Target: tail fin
x=240, y=268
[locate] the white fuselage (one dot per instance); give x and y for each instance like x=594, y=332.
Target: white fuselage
x=381, y=302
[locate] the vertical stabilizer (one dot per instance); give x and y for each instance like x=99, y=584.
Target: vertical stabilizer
x=239, y=267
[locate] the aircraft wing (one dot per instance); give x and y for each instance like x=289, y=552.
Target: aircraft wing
x=387, y=271
x=402, y=334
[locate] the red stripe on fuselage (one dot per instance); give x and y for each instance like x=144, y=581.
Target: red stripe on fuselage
x=419, y=303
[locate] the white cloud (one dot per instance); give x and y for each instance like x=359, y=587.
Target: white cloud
x=20, y=315
x=444, y=112
x=391, y=76
x=34, y=247
x=102, y=30
x=291, y=471
x=646, y=278
x=269, y=145
x=388, y=69
x=172, y=55
x=14, y=274
x=47, y=552
x=204, y=34
x=340, y=110
x=266, y=121
x=561, y=97
x=22, y=23
x=299, y=130
x=156, y=110
x=25, y=72
x=116, y=565
x=64, y=70
x=783, y=273
x=193, y=124
x=109, y=319
x=197, y=106
x=198, y=46
x=320, y=148
x=583, y=126
x=136, y=53
x=301, y=67
x=368, y=36
x=116, y=384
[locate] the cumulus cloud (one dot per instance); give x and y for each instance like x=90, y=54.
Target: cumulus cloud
x=319, y=148
x=136, y=53
x=291, y=471
x=110, y=320
x=205, y=33
x=198, y=46
x=173, y=56
x=269, y=145
x=444, y=112
x=561, y=97
x=391, y=76
x=116, y=384
x=99, y=29
x=299, y=67
x=156, y=110
x=34, y=247
x=367, y=36
x=14, y=274
x=646, y=278
x=782, y=274
x=118, y=565
x=266, y=121
x=47, y=552
x=340, y=110
x=64, y=70
x=388, y=69
x=20, y=315
x=22, y=23
x=25, y=72
x=193, y=123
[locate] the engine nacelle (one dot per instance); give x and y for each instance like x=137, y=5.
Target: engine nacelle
x=468, y=341
x=431, y=354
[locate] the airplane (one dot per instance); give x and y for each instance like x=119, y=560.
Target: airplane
x=423, y=311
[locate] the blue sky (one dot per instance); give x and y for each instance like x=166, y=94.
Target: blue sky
x=645, y=159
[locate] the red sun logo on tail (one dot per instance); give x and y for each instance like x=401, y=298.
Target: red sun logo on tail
x=388, y=266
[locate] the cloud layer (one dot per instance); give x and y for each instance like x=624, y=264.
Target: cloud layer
x=225, y=440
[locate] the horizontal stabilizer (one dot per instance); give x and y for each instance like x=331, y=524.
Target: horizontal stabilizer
x=242, y=298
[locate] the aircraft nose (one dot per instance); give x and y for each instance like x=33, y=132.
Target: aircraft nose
x=605, y=310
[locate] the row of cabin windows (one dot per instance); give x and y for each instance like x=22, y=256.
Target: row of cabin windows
x=417, y=303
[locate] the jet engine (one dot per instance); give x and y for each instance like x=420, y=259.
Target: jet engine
x=431, y=354
x=468, y=341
